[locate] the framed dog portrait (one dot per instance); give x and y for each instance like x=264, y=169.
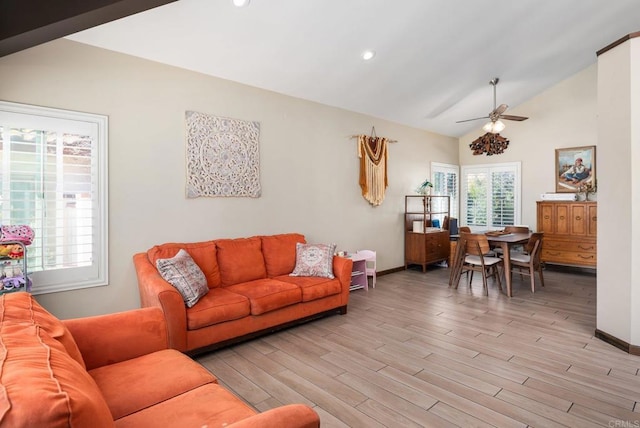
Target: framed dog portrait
x=575, y=167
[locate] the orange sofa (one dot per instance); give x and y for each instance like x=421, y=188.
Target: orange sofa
x=112, y=371
x=250, y=290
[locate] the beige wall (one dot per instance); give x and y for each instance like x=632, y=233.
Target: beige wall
x=618, y=311
x=309, y=168
x=562, y=116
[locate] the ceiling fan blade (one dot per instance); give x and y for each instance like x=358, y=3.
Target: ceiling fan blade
x=469, y=120
x=510, y=117
x=500, y=109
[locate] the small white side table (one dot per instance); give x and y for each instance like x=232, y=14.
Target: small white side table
x=358, y=272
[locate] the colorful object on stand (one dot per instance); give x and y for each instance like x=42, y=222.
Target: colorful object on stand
x=13, y=276
x=12, y=251
x=20, y=233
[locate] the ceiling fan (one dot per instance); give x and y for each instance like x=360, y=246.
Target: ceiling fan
x=495, y=125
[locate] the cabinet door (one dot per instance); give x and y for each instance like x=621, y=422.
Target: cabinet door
x=578, y=220
x=562, y=219
x=592, y=221
x=545, y=218
x=414, y=247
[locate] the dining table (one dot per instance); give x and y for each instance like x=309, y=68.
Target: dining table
x=506, y=241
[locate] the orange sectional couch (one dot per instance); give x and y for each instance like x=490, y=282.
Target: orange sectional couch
x=250, y=290
x=112, y=370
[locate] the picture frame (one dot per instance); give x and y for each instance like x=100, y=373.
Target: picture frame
x=575, y=167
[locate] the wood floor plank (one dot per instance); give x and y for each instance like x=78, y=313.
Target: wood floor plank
x=348, y=414
x=418, y=398
x=580, y=395
x=338, y=389
x=548, y=412
x=229, y=376
x=502, y=383
x=415, y=352
x=602, y=419
x=458, y=396
x=457, y=417
x=417, y=414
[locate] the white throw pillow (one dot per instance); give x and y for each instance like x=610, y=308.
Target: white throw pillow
x=314, y=260
x=185, y=275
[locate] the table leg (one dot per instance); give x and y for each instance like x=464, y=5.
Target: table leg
x=456, y=270
x=507, y=265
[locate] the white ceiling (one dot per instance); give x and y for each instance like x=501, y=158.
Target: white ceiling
x=434, y=58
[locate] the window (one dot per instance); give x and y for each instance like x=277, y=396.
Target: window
x=491, y=195
x=53, y=178
x=445, y=183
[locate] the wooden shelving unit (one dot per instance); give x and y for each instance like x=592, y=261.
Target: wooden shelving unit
x=425, y=244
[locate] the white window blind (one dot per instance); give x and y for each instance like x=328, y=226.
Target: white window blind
x=491, y=195
x=444, y=178
x=54, y=179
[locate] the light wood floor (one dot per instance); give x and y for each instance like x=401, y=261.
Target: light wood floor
x=413, y=352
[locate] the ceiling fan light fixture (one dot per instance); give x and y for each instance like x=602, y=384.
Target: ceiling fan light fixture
x=494, y=127
x=240, y=3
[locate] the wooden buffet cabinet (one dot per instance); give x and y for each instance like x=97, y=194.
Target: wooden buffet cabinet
x=427, y=245
x=569, y=232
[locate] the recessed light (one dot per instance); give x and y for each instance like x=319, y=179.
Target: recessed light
x=240, y=3
x=368, y=54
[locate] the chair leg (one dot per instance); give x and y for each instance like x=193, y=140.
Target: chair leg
x=498, y=279
x=532, y=273
x=484, y=283
x=540, y=273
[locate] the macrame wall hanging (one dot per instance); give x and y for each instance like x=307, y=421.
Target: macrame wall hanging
x=373, y=154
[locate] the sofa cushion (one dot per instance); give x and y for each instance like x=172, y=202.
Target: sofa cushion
x=132, y=385
x=207, y=406
x=268, y=294
x=185, y=275
x=279, y=253
x=203, y=253
x=314, y=260
x=240, y=260
x=219, y=305
x=42, y=386
x=313, y=287
x=22, y=307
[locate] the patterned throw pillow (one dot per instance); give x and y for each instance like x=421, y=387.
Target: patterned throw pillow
x=314, y=260
x=185, y=275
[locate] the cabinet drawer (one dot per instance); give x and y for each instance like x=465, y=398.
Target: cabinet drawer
x=580, y=258
x=576, y=246
x=437, y=246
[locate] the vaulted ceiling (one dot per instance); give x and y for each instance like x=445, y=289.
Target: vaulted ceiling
x=433, y=58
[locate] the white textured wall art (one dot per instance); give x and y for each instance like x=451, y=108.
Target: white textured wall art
x=223, y=156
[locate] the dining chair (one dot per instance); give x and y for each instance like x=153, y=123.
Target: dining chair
x=370, y=257
x=530, y=259
x=512, y=229
x=475, y=259
x=516, y=229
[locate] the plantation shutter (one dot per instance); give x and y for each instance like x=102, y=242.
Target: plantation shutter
x=51, y=181
x=445, y=183
x=491, y=195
